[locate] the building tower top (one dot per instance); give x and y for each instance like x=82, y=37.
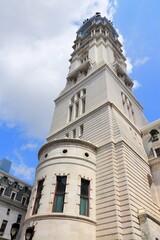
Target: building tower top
x=96, y=44
x=96, y=19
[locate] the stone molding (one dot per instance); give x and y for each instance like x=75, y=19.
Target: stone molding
x=66, y=141
x=46, y=217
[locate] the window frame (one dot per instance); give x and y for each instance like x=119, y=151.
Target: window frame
x=84, y=197
x=57, y=194
x=13, y=198
x=38, y=196
x=3, y=227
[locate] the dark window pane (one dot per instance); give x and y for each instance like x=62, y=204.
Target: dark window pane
x=84, y=197
x=38, y=196
x=3, y=227
x=19, y=218
x=157, y=152
x=84, y=206
x=59, y=194
x=84, y=187
x=1, y=191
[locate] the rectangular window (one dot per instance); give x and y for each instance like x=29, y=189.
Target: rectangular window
x=81, y=130
x=84, y=197
x=77, y=109
x=3, y=227
x=74, y=133
x=1, y=191
x=70, y=112
x=38, y=196
x=59, y=194
x=13, y=195
x=157, y=152
x=23, y=200
x=19, y=217
x=83, y=105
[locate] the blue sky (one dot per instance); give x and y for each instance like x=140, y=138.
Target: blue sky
x=35, y=46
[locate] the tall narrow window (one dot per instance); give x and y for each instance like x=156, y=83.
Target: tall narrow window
x=84, y=197
x=3, y=227
x=81, y=130
x=77, y=104
x=38, y=196
x=13, y=195
x=77, y=109
x=19, y=217
x=74, y=133
x=83, y=105
x=1, y=191
x=59, y=194
x=157, y=152
x=70, y=112
x=24, y=200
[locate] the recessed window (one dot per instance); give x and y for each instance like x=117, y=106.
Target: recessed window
x=83, y=105
x=70, y=112
x=74, y=133
x=84, y=197
x=38, y=196
x=13, y=195
x=19, y=217
x=77, y=105
x=3, y=227
x=77, y=109
x=157, y=150
x=46, y=155
x=65, y=151
x=59, y=194
x=1, y=191
x=81, y=129
x=24, y=200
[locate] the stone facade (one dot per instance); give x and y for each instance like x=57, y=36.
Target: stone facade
x=14, y=199
x=99, y=142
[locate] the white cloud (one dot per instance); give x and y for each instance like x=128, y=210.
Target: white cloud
x=20, y=169
x=35, y=45
x=141, y=61
x=23, y=172
x=128, y=60
x=28, y=146
x=136, y=84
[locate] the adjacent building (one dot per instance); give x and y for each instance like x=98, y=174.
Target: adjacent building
x=98, y=176
x=14, y=199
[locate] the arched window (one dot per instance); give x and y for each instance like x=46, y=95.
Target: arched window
x=127, y=105
x=77, y=104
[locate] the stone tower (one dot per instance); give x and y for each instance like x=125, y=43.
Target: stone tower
x=98, y=174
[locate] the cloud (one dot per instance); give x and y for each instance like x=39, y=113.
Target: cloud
x=128, y=60
x=20, y=169
x=23, y=172
x=28, y=146
x=35, y=46
x=141, y=61
x=136, y=84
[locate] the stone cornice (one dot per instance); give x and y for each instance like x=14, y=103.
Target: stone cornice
x=66, y=141
x=154, y=161
x=81, y=118
x=58, y=216
x=9, y=202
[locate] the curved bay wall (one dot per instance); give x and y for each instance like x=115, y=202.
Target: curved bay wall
x=75, y=159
